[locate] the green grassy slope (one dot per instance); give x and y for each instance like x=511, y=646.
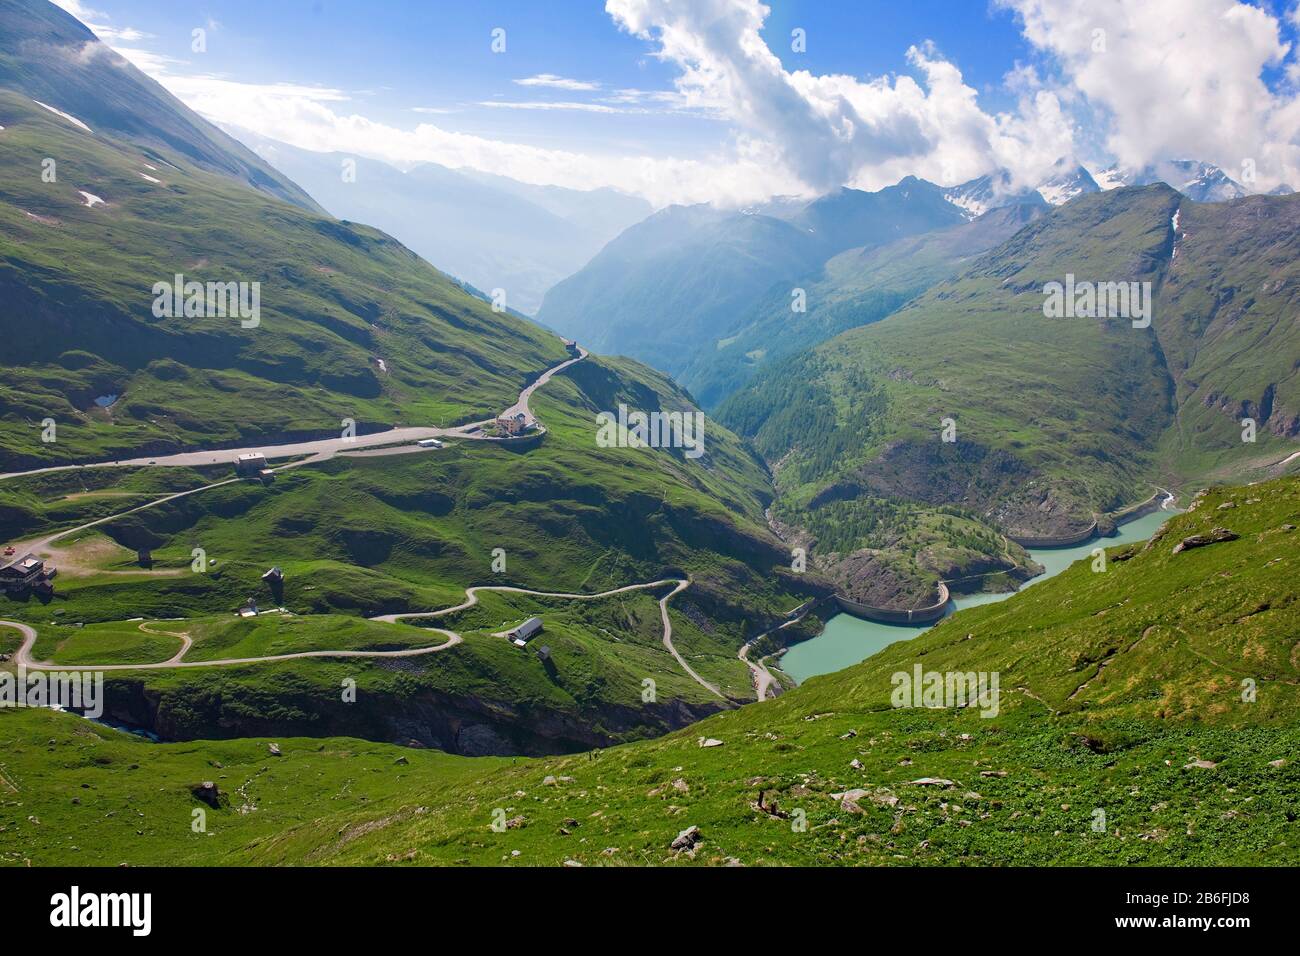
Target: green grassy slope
x=336, y=300
x=1229, y=335
x=677, y=284
x=46, y=54
x=851, y=289
x=1177, y=634
x=359, y=536
x=1056, y=419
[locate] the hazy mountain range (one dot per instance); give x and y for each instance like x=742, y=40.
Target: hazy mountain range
x=491, y=231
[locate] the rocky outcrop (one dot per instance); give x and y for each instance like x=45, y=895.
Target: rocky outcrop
x=1216, y=536
x=990, y=482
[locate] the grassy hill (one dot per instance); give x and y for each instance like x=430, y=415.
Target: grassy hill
x=47, y=55
x=353, y=325
x=1055, y=420
x=1121, y=692
x=359, y=536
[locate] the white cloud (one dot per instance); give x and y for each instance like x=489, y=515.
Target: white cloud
x=80, y=10
x=1172, y=79
x=551, y=105
x=116, y=35
x=309, y=117
x=828, y=130
x=552, y=81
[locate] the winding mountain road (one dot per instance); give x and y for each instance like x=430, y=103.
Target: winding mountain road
x=765, y=680
x=321, y=449
x=23, y=657
x=308, y=452
x=668, y=639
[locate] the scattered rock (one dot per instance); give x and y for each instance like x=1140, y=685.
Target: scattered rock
x=549, y=781
x=851, y=800
x=993, y=773
x=1226, y=505
x=931, y=782
x=274, y=748
x=681, y=785
x=1202, y=764
x=687, y=840
x=849, y=735
x=710, y=742
x=855, y=763
x=1201, y=540
x=401, y=761
x=572, y=863
x=515, y=823
x=1277, y=763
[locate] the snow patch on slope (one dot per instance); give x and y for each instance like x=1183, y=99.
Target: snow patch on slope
x=67, y=116
x=1110, y=178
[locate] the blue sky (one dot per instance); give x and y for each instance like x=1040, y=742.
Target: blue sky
x=670, y=98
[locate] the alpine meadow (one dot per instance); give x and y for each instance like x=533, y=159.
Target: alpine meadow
x=650, y=435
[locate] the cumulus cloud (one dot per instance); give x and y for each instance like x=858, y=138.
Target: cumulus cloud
x=1171, y=79
x=833, y=129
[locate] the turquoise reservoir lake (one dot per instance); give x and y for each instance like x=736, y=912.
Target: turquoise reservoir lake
x=846, y=640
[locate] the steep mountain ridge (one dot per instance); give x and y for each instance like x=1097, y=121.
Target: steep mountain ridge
x=47, y=55
x=852, y=288
x=676, y=284
x=969, y=396
x=351, y=324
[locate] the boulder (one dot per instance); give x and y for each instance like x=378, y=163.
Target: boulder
x=1201, y=540
x=687, y=840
